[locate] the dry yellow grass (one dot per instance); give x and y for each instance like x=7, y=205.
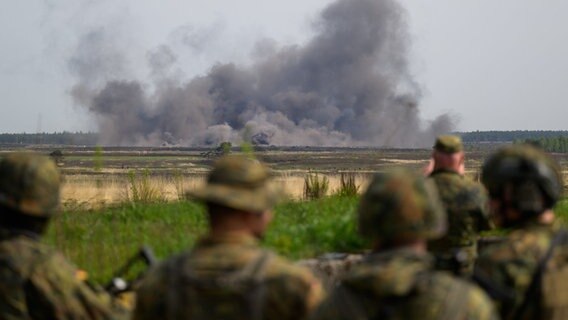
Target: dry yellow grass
x=99, y=190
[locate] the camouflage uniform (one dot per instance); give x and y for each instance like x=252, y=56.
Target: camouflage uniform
x=533, y=183
x=400, y=283
x=35, y=281
x=38, y=283
x=229, y=276
x=466, y=205
x=510, y=265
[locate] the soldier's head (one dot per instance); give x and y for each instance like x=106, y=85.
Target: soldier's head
x=29, y=190
x=523, y=183
x=401, y=207
x=448, y=153
x=238, y=194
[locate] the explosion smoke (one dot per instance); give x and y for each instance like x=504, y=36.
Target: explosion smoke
x=349, y=85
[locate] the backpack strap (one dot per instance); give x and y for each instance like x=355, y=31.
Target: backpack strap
x=560, y=237
x=257, y=294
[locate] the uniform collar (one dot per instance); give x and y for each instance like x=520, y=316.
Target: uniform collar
x=444, y=170
x=228, y=238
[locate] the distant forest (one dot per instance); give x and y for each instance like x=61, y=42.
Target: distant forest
x=553, y=141
x=509, y=136
x=57, y=138
x=556, y=144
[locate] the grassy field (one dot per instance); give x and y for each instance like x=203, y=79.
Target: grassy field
x=100, y=241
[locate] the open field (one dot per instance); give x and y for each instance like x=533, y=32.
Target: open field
x=98, y=179
x=174, y=172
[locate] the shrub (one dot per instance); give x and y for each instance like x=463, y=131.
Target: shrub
x=178, y=184
x=347, y=185
x=314, y=186
x=141, y=188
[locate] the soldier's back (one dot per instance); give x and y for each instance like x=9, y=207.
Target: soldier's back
x=228, y=278
x=401, y=285
x=36, y=282
x=511, y=265
x=466, y=205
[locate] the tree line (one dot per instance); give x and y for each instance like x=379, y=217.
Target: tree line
x=56, y=138
x=550, y=139
x=553, y=144
x=510, y=136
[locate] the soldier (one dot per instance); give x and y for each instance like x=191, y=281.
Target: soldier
x=528, y=272
x=466, y=204
x=35, y=281
x=227, y=275
x=398, y=213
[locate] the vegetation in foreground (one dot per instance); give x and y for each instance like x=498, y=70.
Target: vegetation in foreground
x=100, y=241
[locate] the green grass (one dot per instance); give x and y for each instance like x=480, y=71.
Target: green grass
x=101, y=241
x=561, y=210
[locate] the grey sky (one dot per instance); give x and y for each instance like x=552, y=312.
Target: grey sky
x=493, y=64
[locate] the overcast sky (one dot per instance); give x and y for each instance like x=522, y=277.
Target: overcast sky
x=494, y=65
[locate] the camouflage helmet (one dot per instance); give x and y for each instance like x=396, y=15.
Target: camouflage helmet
x=238, y=182
x=533, y=178
x=29, y=183
x=401, y=204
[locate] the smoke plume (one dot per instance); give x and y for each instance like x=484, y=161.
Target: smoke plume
x=349, y=85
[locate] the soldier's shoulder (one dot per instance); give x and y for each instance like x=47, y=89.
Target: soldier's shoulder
x=280, y=267
x=294, y=280
x=24, y=244
x=159, y=273
x=474, y=302
x=474, y=187
x=23, y=254
x=453, y=183
x=519, y=244
x=479, y=305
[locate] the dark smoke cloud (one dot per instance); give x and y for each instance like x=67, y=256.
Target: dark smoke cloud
x=349, y=85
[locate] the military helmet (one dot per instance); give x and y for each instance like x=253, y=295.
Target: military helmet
x=401, y=204
x=238, y=182
x=533, y=178
x=29, y=183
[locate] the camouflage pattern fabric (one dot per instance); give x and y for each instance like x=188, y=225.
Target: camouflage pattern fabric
x=38, y=283
x=510, y=266
x=286, y=291
x=29, y=183
x=466, y=204
x=400, y=284
x=401, y=204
